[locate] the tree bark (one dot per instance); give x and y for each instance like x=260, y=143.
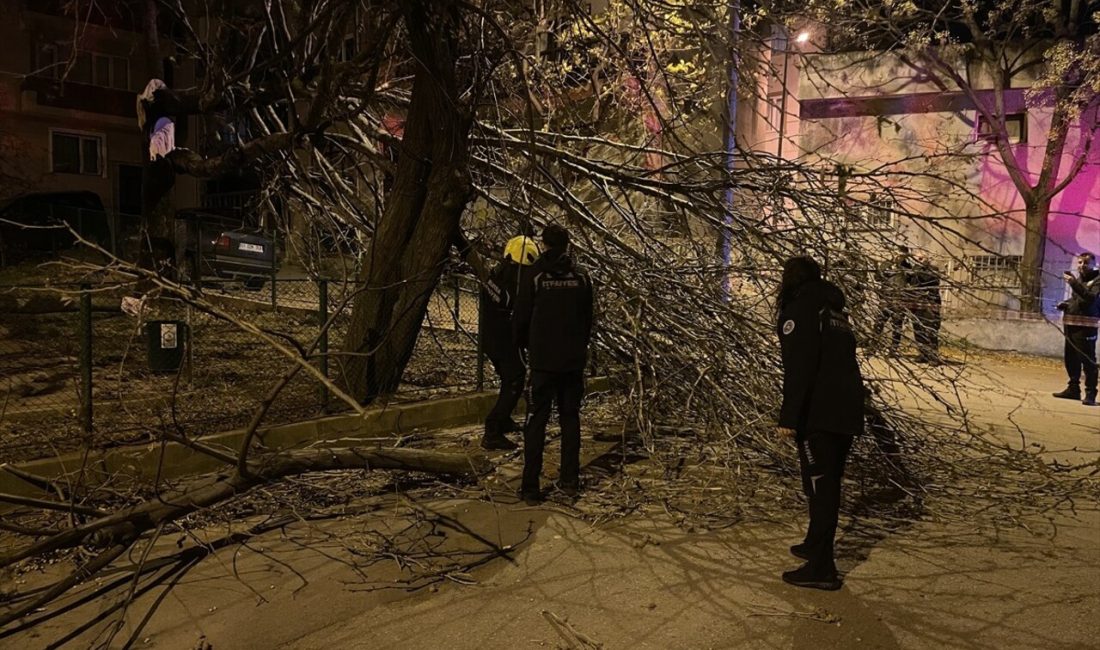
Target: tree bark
x=152, y=41
x=157, y=176
x=431, y=189
x=1031, y=264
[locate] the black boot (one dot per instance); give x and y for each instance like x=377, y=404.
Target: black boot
x=804, y=576
x=1072, y=391
x=499, y=443
x=495, y=440
x=530, y=497
x=1090, y=398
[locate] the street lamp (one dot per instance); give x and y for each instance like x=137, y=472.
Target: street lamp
x=801, y=39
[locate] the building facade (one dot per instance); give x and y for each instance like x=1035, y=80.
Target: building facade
x=875, y=111
x=68, y=90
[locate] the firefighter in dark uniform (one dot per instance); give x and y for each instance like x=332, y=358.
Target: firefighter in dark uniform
x=553, y=321
x=1081, y=317
x=499, y=286
x=497, y=339
x=822, y=406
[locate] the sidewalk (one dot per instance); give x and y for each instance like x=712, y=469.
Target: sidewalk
x=643, y=582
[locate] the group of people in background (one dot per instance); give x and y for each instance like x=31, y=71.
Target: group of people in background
x=911, y=291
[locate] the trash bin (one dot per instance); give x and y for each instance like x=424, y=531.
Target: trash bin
x=166, y=340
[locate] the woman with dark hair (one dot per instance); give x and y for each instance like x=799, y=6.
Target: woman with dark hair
x=822, y=406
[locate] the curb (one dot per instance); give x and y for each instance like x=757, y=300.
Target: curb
x=145, y=462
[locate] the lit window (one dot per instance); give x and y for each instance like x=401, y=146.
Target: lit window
x=773, y=111
x=74, y=153
x=881, y=213
x=995, y=263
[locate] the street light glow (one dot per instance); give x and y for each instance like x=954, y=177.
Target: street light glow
x=802, y=37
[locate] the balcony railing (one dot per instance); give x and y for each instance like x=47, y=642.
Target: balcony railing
x=81, y=97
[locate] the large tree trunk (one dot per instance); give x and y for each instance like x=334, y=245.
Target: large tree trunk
x=1031, y=265
x=157, y=177
x=430, y=191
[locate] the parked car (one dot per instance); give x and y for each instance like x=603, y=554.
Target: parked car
x=33, y=224
x=223, y=245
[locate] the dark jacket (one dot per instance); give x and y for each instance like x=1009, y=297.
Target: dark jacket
x=896, y=284
x=822, y=387
x=553, y=316
x=1083, y=307
x=925, y=280
x=498, y=294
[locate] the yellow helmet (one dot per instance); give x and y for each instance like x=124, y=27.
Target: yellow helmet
x=522, y=250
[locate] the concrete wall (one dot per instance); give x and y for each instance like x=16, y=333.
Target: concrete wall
x=1029, y=336
x=377, y=426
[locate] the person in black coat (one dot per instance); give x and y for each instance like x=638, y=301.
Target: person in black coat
x=498, y=341
x=894, y=293
x=925, y=282
x=1081, y=316
x=822, y=407
x=553, y=322
x=499, y=288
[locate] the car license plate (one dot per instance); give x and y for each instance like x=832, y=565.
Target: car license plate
x=251, y=248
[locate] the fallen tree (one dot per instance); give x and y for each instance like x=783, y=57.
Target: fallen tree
x=378, y=158
x=118, y=531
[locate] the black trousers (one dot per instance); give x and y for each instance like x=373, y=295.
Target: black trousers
x=566, y=389
x=822, y=457
x=1080, y=355
x=890, y=322
x=926, y=330
x=509, y=366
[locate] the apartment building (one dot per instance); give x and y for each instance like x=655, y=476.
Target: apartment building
x=67, y=103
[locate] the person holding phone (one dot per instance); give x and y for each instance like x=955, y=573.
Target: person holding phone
x=1081, y=315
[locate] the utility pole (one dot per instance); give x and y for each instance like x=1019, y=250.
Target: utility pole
x=731, y=143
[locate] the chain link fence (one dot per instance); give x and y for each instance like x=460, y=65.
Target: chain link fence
x=77, y=371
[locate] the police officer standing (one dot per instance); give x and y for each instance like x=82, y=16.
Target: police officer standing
x=553, y=321
x=822, y=406
x=1081, y=316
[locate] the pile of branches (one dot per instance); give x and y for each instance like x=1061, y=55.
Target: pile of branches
x=683, y=237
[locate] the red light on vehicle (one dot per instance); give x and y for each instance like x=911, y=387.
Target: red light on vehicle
x=223, y=242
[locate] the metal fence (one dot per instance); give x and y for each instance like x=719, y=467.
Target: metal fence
x=76, y=371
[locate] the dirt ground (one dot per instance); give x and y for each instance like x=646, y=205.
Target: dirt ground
x=224, y=378
x=498, y=574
